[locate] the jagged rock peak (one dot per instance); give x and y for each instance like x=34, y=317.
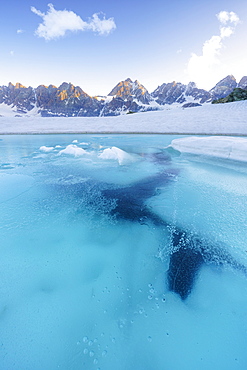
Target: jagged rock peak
x=243, y=83
x=65, y=86
x=18, y=85
x=176, y=92
x=68, y=90
x=129, y=90
x=126, y=88
x=224, y=87
x=191, y=85
x=229, y=81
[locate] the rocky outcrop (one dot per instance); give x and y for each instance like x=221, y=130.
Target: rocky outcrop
x=190, y=105
x=236, y=95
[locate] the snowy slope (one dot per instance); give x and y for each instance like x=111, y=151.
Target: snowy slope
x=225, y=119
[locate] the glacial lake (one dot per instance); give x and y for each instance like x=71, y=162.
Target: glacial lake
x=90, y=226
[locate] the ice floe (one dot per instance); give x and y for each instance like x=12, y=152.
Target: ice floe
x=73, y=150
x=46, y=148
x=234, y=148
x=117, y=154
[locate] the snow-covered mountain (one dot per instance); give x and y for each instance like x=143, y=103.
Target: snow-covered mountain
x=223, y=87
x=170, y=93
x=243, y=83
x=127, y=96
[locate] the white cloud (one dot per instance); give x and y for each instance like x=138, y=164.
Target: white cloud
x=201, y=67
x=57, y=22
x=228, y=17
x=12, y=53
x=226, y=31
x=19, y=31
x=102, y=26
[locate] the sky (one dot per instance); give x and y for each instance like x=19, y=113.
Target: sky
x=95, y=44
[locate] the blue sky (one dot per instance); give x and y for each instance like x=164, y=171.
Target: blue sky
x=96, y=44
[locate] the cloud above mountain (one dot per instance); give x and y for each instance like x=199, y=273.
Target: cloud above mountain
x=56, y=23
x=202, y=65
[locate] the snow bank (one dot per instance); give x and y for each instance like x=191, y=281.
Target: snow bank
x=215, y=146
x=118, y=154
x=73, y=150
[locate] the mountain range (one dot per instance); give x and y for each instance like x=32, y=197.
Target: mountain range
x=127, y=96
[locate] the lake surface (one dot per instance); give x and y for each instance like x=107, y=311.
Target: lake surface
x=83, y=278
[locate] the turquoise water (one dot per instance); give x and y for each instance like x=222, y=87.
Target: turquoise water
x=83, y=289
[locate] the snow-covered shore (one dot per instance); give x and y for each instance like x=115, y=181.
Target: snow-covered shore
x=219, y=119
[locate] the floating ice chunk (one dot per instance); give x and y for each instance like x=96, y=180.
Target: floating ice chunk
x=73, y=150
x=234, y=148
x=118, y=154
x=46, y=148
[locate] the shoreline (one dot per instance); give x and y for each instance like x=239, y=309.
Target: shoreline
x=123, y=133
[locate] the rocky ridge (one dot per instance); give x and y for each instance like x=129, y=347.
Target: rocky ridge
x=127, y=96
